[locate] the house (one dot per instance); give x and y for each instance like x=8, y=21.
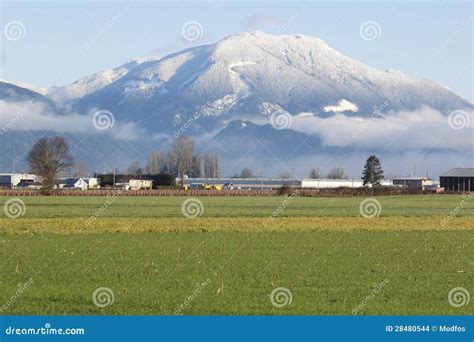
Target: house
x=74, y=184
x=141, y=184
x=458, y=179
x=414, y=182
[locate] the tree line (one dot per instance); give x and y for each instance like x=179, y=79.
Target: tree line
x=50, y=156
x=371, y=175
x=182, y=159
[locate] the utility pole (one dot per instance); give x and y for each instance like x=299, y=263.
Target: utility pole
x=113, y=185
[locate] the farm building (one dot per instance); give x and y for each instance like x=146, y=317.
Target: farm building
x=336, y=183
x=274, y=183
x=11, y=180
x=242, y=183
x=458, y=179
x=74, y=184
x=78, y=183
x=141, y=184
x=414, y=182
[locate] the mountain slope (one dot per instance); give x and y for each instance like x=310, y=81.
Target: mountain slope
x=93, y=83
x=241, y=75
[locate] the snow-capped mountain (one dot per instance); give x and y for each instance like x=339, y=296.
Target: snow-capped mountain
x=228, y=93
x=248, y=75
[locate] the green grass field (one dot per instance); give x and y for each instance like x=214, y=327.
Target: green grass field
x=228, y=261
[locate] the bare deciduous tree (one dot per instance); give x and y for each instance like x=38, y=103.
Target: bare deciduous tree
x=154, y=164
x=196, y=167
x=182, y=155
x=212, y=167
x=135, y=169
x=337, y=173
x=314, y=174
x=47, y=157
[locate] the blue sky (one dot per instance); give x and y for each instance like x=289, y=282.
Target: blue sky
x=67, y=40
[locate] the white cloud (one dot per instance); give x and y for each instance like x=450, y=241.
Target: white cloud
x=35, y=116
x=421, y=129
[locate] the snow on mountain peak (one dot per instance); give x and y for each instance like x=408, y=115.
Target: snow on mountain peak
x=252, y=74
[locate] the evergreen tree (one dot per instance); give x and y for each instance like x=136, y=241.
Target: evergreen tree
x=373, y=172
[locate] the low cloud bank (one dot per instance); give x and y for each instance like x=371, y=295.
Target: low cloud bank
x=36, y=116
x=421, y=129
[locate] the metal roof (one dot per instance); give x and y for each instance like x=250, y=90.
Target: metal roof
x=411, y=178
x=460, y=172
